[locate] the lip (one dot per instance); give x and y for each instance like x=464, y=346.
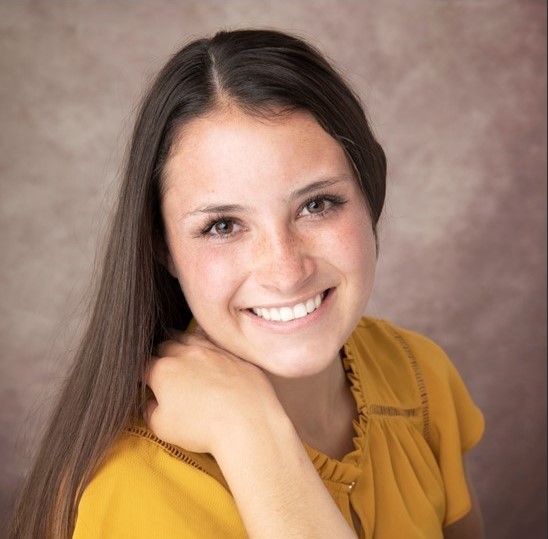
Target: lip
x=297, y=323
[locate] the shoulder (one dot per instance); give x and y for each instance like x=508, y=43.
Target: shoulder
x=402, y=355
x=139, y=458
x=139, y=465
x=416, y=370
x=385, y=337
x=396, y=367
x=147, y=488
x=390, y=332
x=441, y=378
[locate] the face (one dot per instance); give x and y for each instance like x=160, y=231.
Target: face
x=270, y=238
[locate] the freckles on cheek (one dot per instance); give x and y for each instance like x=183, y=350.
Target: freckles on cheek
x=352, y=243
x=208, y=277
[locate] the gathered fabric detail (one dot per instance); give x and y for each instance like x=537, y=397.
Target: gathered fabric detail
x=404, y=476
x=348, y=469
x=392, y=479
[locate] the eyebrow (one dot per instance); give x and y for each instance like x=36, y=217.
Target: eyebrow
x=317, y=186
x=217, y=208
x=299, y=193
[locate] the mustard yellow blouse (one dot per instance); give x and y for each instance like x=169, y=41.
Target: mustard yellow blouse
x=404, y=478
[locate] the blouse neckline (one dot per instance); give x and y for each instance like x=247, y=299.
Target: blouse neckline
x=346, y=470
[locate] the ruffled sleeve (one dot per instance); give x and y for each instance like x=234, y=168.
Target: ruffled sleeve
x=455, y=423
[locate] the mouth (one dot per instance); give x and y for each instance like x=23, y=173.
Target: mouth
x=291, y=312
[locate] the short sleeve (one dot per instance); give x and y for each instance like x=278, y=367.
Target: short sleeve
x=454, y=423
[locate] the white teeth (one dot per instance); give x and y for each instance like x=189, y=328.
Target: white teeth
x=300, y=310
x=286, y=314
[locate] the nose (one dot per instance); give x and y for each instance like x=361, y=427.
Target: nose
x=281, y=261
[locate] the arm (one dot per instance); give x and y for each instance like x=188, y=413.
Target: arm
x=211, y=401
x=471, y=525
x=276, y=487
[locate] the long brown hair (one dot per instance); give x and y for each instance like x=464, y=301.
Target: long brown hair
x=137, y=300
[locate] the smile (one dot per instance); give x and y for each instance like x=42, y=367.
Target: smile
x=288, y=313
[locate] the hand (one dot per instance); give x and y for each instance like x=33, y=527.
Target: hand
x=204, y=394
x=210, y=401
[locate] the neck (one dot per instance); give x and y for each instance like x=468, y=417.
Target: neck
x=321, y=408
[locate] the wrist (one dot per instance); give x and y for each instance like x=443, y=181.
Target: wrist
x=252, y=432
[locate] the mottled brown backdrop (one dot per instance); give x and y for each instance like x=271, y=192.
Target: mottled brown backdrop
x=456, y=90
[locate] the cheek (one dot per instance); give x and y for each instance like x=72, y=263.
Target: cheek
x=353, y=244
x=362, y=251
x=208, y=276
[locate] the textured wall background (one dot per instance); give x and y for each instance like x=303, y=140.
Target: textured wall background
x=456, y=91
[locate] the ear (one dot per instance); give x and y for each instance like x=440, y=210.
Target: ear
x=163, y=255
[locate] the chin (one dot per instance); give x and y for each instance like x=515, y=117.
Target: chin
x=297, y=365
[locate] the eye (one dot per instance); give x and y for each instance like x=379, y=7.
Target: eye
x=321, y=205
x=316, y=206
x=221, y=227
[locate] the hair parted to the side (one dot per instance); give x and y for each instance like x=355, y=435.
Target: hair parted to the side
x=137, y=302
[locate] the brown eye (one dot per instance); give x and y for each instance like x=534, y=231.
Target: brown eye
x=316, y=206
x=222, y=228
x=321, y=206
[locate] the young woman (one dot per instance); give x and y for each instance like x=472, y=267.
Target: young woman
x=227, y=385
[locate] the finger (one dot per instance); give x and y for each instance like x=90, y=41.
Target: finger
x=176, y=348
x=168, y=348
x=151, y=373
x=197, y=339
x=181, y=336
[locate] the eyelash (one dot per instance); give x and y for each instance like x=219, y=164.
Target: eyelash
x=206, y=230
x=335, y=201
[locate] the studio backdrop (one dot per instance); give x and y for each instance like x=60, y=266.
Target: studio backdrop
x=456, y=93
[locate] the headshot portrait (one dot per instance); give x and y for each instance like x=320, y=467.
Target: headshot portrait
x=273, y=269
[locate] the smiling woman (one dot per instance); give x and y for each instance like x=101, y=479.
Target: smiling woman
x=228, y=385
x=294, y=237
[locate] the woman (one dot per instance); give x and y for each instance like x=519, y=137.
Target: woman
x=247, y=217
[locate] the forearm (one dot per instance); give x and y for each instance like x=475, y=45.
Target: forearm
x=276, y=487
x=209, y=401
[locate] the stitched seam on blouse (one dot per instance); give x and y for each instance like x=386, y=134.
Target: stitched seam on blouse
x=173, y=451
x=380, y=409
x=420, y=383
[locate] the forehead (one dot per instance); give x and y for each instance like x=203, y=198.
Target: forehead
x=230, y=144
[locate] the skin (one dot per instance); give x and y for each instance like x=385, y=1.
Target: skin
x=263, y=213
x=279, y=251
